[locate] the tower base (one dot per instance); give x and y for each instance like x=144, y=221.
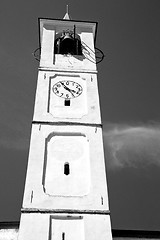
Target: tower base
x=45, y=226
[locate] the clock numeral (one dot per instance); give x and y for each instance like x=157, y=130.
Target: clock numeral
x=58, y=85
x=67, y=95
x=61, y=95
x=55, y=90
x=67, y=83
x=79, y=91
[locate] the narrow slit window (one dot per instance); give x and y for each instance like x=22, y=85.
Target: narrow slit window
x=63, y=236
x=66, y=169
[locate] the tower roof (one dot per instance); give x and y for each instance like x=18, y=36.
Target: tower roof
x=66, y=16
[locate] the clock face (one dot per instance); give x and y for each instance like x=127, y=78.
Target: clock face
x=67, y=89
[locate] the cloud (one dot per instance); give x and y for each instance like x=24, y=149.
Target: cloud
x=131, y=146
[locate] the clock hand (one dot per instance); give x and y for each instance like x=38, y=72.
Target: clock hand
x=71, y=90
x=65, y=87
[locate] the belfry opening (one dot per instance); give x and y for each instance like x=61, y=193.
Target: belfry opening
x=68, y=42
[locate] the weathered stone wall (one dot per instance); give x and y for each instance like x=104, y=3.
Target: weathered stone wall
x=8, y=234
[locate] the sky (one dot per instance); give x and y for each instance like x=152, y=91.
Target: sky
x=129, y=82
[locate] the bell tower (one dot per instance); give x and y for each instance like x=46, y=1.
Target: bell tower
x=65, y=195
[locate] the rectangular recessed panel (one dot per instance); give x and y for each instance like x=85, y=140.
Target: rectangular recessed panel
x=67, y=228
x=67, y=165
x=70, y=91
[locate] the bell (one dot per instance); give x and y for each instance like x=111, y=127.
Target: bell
x=67, y=36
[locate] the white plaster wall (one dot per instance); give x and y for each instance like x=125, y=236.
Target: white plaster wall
x=41, y=226
x=50, y=107
x=47, y=46
x=35, y=197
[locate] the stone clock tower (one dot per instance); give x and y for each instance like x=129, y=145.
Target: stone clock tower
x=65, y=195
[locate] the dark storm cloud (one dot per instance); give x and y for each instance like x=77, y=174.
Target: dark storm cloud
x=132, y=146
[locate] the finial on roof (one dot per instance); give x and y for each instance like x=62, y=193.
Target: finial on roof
x=67, y=17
